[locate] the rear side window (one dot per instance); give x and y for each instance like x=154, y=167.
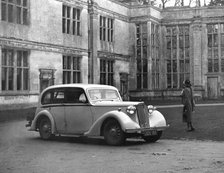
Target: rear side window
x=53, y=96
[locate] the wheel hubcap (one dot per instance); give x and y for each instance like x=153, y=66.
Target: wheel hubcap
x=114, y=132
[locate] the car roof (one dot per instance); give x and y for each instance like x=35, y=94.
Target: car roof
x=81, y=85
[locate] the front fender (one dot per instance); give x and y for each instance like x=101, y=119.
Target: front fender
x=43, y=113
x=156, y=119
x=125, y=121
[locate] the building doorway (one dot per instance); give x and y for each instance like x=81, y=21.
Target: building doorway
x=46, y=78
x=124, y=86
x=212, y=87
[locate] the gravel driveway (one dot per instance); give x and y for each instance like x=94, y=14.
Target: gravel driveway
x=22, y=151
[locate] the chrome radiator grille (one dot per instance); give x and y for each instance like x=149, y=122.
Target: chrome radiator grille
x=143, y=117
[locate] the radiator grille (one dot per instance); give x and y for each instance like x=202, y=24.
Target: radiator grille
x=143, y=118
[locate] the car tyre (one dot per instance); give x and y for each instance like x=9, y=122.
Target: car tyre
x=151, y=139
x=45, y=129
x=113, y=134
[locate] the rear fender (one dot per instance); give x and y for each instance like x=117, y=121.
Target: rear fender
x=125, y=121
x=41, y=114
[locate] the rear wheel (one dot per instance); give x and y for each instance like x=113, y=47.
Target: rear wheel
x=153, y=138
x=113, y=134
x=45, y=129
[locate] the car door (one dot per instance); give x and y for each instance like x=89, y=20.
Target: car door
x=77, y=111
x=53, y=101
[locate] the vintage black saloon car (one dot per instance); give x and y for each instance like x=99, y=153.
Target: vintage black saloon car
x=94, y=110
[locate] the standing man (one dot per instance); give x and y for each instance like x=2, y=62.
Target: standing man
x=188, y=102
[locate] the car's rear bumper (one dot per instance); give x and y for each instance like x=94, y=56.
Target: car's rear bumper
x=146, y=130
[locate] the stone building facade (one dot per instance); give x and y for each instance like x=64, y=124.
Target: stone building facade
x=145, y=51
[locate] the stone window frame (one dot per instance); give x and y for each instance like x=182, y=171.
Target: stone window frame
x=71, y=20
x=215, y=48
x=107, y=71
x=178, y=65
x=15, y=11
x=15, y=69
x=71, y=69
x=142, y=55
x=106, y=25
x=155, y=42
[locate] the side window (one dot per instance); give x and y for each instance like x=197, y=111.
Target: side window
x=75, y=95
x=58, y=96
x=46, y=99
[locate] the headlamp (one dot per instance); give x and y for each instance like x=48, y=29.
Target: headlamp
x=131, y=110
x=151, y=108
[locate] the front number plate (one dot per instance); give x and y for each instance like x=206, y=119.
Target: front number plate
x=150, y=133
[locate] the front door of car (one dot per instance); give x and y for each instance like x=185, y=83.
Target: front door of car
x=77, y=112
x=78, y=118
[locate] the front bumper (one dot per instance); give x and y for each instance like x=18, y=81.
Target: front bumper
x=147, y=130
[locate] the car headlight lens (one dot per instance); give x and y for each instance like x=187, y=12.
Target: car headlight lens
x=131, y=110
x=151, y=108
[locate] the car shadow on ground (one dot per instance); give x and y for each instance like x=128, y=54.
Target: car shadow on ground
x=90, y=140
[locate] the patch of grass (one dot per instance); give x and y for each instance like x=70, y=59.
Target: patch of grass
x=207, y=120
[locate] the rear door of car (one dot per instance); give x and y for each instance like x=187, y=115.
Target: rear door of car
x=77, y=111
x=53, y=101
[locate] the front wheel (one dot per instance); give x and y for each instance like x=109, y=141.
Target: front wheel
x=45, y=129
x=113, y=134
x=153, y=138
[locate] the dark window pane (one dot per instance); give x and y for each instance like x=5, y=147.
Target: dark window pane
x=68, y=62
x=168, y=66
x=18, y=15
x=222, y=52
x=222, y=65
x=168, y=41
x=210, y=65
x=68, y=26
x=181, y=66
x=145, y=77
x=78, y=28
x=4, y=11
x=25, y=59
x=216, y=65
x=216, y=53
x=174, y=80
x=4, y=78
x=168, y=80
x=10, y=13
x=174, y=66
x=74, y=28
x=187, y=66
x=74, y=13
x=222, y=40
x=25, y=17
x=63, y=25
x=68, y=12
x=19, y=79
x=187, y=41
x=18, y=2
x=25, y=3
x=139, y=81
x=10, y=58
x=25, y=79
x=19, y=58
x=63, y=11
x=4, y=57
x=11, y=71
x=145, y=65
x=209, y=40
